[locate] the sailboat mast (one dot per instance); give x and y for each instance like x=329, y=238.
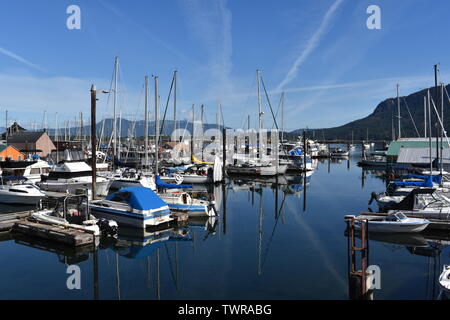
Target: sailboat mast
x=425, y=115
x=398, y=111
x=146, y=122
x=156, y=126
x=175, y=101
x=116, y=65
x=282, y=117
x=259, y=114
x=429, y=128
x=442, y=131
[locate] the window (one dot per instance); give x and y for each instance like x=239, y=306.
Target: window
x=19, y=158
x=35, y=171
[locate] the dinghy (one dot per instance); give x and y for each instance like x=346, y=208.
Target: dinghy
x=72, y=211
x=133, y=206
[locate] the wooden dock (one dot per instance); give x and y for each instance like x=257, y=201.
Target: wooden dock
x=69, y=236
x=8, y=220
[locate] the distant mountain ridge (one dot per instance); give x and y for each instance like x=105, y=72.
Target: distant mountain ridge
x=126, y=128
x=379, y=122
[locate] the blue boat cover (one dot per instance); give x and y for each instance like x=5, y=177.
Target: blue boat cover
x=428, y=183
x=139, y=198
x=162, y=184
x=14, y=178
x=436, y=179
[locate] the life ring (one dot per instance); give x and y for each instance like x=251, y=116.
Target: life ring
x=391, y=176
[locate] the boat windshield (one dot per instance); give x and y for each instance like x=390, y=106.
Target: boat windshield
x=400, y=216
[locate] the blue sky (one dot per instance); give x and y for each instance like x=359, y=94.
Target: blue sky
x=320, y=52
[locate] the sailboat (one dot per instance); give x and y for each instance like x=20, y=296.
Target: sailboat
x=262, y=165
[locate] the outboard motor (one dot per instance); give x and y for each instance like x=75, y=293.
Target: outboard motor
x=373, y=196
x=108, y=227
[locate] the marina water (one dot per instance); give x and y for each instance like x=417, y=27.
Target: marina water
x=272, y=242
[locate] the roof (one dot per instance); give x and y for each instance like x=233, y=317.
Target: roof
x=421, y=155
x=25, y=137
x=395, y=146
x=139, y=198
x=4, y=146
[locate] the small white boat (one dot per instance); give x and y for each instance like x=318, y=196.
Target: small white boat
x=131, y=178
x=72, y=211
x=19, y=193
x=339, y=152
x=444, y=278
x=395, y=222
x=183, y=202
x=137, y=207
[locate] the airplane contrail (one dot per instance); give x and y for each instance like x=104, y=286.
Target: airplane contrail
x=20, y=59
x=313, y=42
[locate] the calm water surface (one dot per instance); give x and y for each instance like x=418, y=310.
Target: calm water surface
x=271, y=243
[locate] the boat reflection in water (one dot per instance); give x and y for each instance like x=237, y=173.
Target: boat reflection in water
x=427, y=244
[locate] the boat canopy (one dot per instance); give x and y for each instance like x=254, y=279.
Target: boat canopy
x=161, y=184
x=139, y=198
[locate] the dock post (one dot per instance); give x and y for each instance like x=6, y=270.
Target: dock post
x=93, y=139
x=358, y=278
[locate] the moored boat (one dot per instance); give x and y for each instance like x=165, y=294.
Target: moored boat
x=133, y=206
x=393, y=223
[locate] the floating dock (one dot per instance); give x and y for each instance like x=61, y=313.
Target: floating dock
x=67, y=235
x=8, y=220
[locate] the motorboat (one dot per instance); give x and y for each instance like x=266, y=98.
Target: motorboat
x=68, y=176
x=202, y=173
x=72, y=211
x=393, y=223
x=31, y=170
x=137, y=207
x=14, y=192
x=184, y=202
x=131, y=178
x=338, y=152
